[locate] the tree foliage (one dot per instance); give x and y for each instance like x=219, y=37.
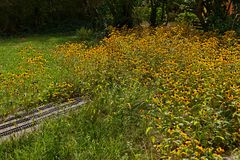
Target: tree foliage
x=34, y=15
x=219, y=14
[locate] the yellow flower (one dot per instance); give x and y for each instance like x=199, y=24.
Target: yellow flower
x=197, y=154
x=220, y=150
x=200, y=148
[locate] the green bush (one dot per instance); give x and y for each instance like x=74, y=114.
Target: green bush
x=84, y=33
x=186, y=17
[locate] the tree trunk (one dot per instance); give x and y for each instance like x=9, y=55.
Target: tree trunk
x=199, y=11
x=163, y=11
x=153, y=14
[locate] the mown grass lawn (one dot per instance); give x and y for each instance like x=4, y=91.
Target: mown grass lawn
x=164, y=93
x=10, y=47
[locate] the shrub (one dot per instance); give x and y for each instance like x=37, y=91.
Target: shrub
x=186, y=17
x=84, y=33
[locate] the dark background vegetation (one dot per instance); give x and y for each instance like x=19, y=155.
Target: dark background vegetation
x=33, y=16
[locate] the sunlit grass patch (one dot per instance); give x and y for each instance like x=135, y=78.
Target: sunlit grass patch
x=28, y=72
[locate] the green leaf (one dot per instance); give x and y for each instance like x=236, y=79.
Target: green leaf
x=220, y=138
x=153, y=139
x=148, y=130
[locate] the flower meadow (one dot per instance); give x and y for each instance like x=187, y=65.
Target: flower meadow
x=189, y=81
x=31, y=83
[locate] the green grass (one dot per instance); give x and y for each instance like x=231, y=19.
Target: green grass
x=27, y=85
x=105, y=128
x=10, y=47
